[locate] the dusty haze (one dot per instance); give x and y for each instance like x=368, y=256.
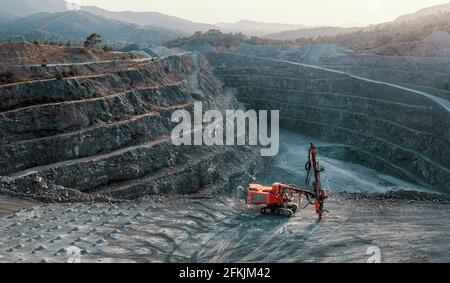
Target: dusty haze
x=307, y=12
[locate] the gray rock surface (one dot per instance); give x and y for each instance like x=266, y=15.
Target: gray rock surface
x=400, y=131
x=310, y=54
x=106, y=136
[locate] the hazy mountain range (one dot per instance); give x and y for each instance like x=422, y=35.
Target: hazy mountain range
x=425, y=12
x=22, y=8
x=5, y=16
x=256, y=28
x=54, y=20
x=334, y=31
x=77, y=25
x=150, y=18
x=309, y=32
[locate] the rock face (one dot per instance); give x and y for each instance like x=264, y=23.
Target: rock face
x=310, y=54
x=418, y=65
x=393, y=129
x=438, y=37
x=105, y=131
x=428, y=74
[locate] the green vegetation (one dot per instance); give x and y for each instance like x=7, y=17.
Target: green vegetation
x=93, y=40
x=74, y=71
x=221, y=41
x=107, y=48
x=59, y=75
x=7, y=77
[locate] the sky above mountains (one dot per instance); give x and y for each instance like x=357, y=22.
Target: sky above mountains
x=306, y=12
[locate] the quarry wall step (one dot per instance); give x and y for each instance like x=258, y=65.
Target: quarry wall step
x=422, y=143
x=432, y=71
x=229, y=62
x=349, y=104
x=416, y=164
x=109, y=94
x=89, y=141
x=372, y=125
x=78, y=88
x=421, y=77
x=107, y=136
x=406, y=127
x=347, y=86
x=127, y=163
x=35, y=72
x=123, y=164
x=326, y=98
x=408, y=63
x=52, y=119
x=185, y=178
x=378, y=87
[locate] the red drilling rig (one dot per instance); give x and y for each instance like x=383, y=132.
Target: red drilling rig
x=279, y=198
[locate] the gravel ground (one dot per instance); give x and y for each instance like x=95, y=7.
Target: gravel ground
x=225, y=230
x=9, y=204
x=371, y=214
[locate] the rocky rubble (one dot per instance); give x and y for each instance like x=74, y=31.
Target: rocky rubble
x=396, y=196
x=38, y=189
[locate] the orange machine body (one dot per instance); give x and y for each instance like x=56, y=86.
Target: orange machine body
x=259, y=195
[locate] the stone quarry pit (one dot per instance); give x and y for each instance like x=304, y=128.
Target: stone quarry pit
x=87, y=163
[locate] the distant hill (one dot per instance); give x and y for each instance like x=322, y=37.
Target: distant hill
x=310, y=33
x=425, y=12
x=256, y=28
x=391, y=33
x=5, y=16
x=77, y=25
x=417, y=29
x=22, y=8
x=150, y=18
x=171, y=22
x=51, y=20
x=10, y=9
